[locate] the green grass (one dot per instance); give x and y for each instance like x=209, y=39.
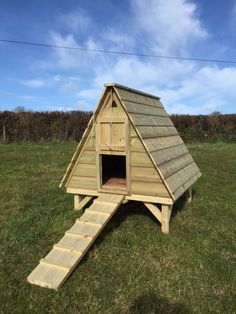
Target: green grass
x=132, y=267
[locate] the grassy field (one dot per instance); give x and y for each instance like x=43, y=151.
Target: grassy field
x=132, y=267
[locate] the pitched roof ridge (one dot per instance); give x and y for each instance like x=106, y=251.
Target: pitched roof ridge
x=136, y=91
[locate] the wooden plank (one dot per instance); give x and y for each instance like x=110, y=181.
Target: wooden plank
x=85, y=170
x=128, y=159
x=154, y=210
x=158, y=143
x=180, y=177
x=110, y=198
x=136, y=145
x=138, y=97
x=169, y=153
x=78, y=244
x=149, y=188
x=142, y=120
x=94, y=218
x=145, y=174
x=49, y=276
x=82, y=183
x=77, y=235
x=90, y=142
x=170, y=167
x=133, y=133
x=149, y=198
x=118, y=87
x=83, y=202
x=102, y=206
x=84, y=229
x=136, y=108
x=186, y=185
x=87, y=157
x=82, y=191
x=140, y=159
x=156, y=131
x=62, y=257
x=53, y=264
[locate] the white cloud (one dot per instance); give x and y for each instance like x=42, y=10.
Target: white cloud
x=67, y=87
x=118, y=40
x=165, y=27
x=76, y=20
x=69, y=58
x=36, y=83
x=172, y=25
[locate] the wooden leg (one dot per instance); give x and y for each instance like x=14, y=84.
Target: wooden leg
x=77, y=200
x=81, y=201
x=154, y=210
x=165, y=218
x=190, y=196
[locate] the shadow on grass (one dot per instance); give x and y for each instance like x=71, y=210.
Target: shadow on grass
x=181, y=203
x=151, y=303
x=134, y=208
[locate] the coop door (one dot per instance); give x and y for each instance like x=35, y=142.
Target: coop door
x=112, y=136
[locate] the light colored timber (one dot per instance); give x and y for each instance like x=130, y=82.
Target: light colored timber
x=66, y=248
x=190, y=195
x=82, y=183
x=77, y=199
x=82, y=191
x=131, y=90
x=156, y=131
x=140, y=120
x=149, y=188
x=53, y=264
x=85, y=170
x=169, y=153
x=165, y=218
x=183, y=175
x=129, y=123
x=170, y=167
x=154, y=210
x=151, y=199
x=137, y=108
x=75, y=234
x=100, y=212
x=157, y=143
x=82, y=203
x=55, y=268
x=180, y=191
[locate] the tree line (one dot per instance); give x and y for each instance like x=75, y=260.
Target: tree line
x=69, y=126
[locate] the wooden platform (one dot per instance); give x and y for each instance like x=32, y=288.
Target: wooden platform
x=54, y=269
x=115, y=183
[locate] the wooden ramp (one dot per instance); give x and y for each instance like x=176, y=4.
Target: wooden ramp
x=53, y=270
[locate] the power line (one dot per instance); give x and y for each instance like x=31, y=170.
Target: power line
x=114, y=52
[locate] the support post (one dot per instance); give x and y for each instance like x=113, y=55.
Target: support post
x=165, y=218
x=77, y=199
x=81, y=201
x=190, y=195
x=154, y=210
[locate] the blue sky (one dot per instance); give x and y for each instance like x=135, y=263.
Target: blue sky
x=55, y=79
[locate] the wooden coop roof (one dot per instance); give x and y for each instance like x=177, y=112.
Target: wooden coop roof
x=159, y=137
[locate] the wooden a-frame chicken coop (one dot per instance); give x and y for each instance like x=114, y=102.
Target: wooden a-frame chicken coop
x=129, y=151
